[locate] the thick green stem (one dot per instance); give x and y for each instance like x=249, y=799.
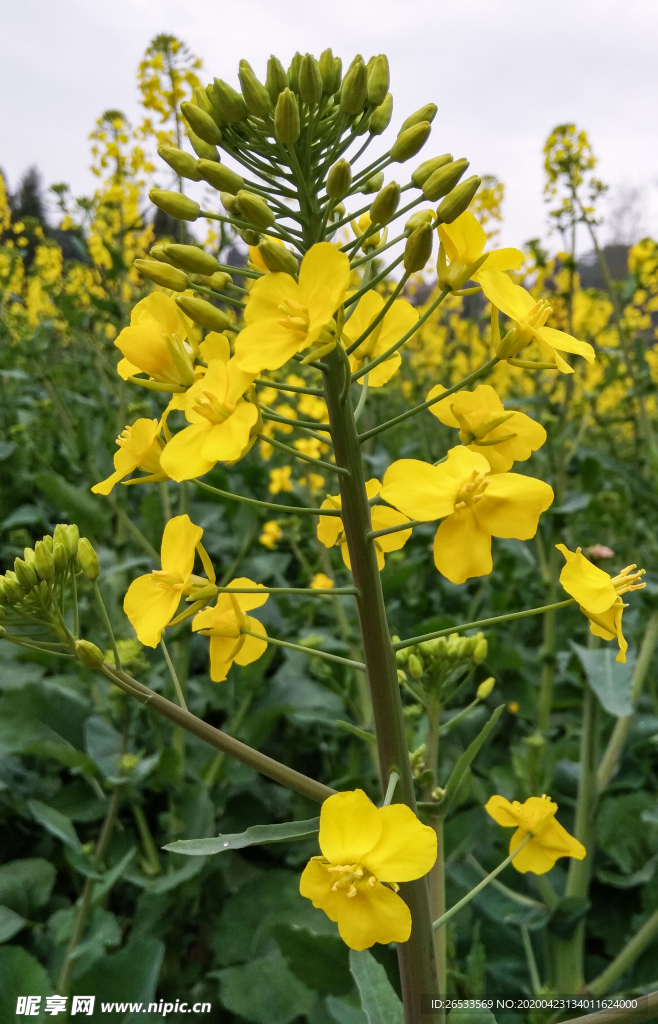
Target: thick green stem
x=631, y=951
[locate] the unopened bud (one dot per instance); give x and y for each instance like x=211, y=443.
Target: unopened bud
x=485, y=688
x=249, y=236
x=220, y=280
x=71, y=541
x=255, y=210
x=89, y=654
x=372, y=184
x=327, y=66
x=409, y=142
x=156, y=252
x=13, y=592
x=385, y=203
x=192, y=259
x=184, y=164
x=203, y=313
x=277, y=79
x=339, y=179
x=444, y=179
x=381, y=116
x=286, y=118
x=428, y=647
x=353, y=91
x=59, y=535
x=229, y=204
x=277, y=258
x=255, y=94
x=44, y=563
x=480, y=649
x=458, y=200
x=415, y=666
x=310, y=80
x=28, y=555
x=48, y=541
x=426, y=113
x=175, y=204
x=220, y=177
x=293, y=71
x=402, y=657
x=229, y=103
x=163, y=274
x=203, y=99
x=428, y=167
x=88, y=559
x=201, y=123
x=378, y=80
x=61, y=558
x=402, y=676
x=418, y=249
x=419, y=218
x=25, y=574
x=202, y=149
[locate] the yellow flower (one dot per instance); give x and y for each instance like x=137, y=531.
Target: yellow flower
x=155, y=343
x=280, y=480
x=474, y=507
x=360, y=227
x=398, y=320
x=223, y=425
x=152, y=601
x=140, y=447
x=529, y=318
x=271, y=535
x=463, y=243
x=366, y=851
x=331, y=531
x=284, y=317
x=223, y=624
x=311, y=405
x=599, y=594
x=255, y=257
x=321, y=582
x=502, y=437
x=550, y=840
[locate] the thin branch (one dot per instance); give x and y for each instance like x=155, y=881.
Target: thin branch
x=291, y=509
x=310, y=651
x=483, y=622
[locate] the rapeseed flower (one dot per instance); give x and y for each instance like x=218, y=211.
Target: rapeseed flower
x=140, y=447
x=463, y=242
x=280, y=480
x=223, y=624
x=271, y=535
x=549, y=839
x=331, y=531
x=155, y=343
x=321, y=582
x=398, y=320
x=366, y=852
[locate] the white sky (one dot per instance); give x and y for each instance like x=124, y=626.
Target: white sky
x=503, y=73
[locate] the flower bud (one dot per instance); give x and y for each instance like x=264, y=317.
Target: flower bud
x=220, y=177
x=327, y=67
x=310, y=80
x=428, y=647
x=373, y=184
x=409, y=142
x=184, y=164
x=162, y=274
x=353, y=91
x=418, y=218
x=88, y=559
x=220, y=280
x=293, y=71
x=418, y=249
x=25, y=574
x=255, y=94
x=415, y=667
x=71, y=541
x=89, y=654
x=28, y=555
x=13, y=593
x=249, y=236
x=402, y=676
x=254, y=210
x=385, y=203
x=44, y=563
x=277, y=79
x=277, y=258
x=428, y=167
x=381, y=116
x=426, y=113
x=157, y=252
x=378, y=80
x=175, y=204
x=286, y=118
x=60, y=535
x=203, y=99
x=203, y=313
x=192, y=259
x=61, y=558
x=202, y=124
x=202, y=149
x=339, y=179
x=444, y=179
x=229, y=103
x=48, y=541
x=458, y=200
x=480, y=649
x=485, y=688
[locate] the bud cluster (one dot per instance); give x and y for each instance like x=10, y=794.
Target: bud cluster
x=441, y=666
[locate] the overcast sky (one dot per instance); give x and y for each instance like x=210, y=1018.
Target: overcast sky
x=503, y=73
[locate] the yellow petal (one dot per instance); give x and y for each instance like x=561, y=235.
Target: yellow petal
x=382, y=373
x=529, y=436
x=350, y=826
x=383, y=517
x=565, y=343
x=406, y=848
x=323, y=279
x=126, y=369
x=512, y=504
x=215, y=346
x=251, y=649
x=266, y=296
x=164, y=309
x=266, y=344
x=373, y=487
x=149, y=608
x=462, y=549
x=329, y=527
x=514, y=301
x=464, y=240
x=222, y=653
x=428, y=492
x=555, y=837
x=144, y=346
x=226, y=442
x=183, y=458
x=502, y=259
x=589, y=585
x=179, y=542
x=366, y=310
x=249, y=601
x=442, y=410
x=502, y=811
x=534, y=856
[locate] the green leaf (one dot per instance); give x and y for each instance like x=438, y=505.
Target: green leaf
x=361, y=734
x=104, y=745
x=10, y=923
x=320, y=961
x=464, y=762
x=57, y=824
x=26, y=885
x=254, y=836
x=567, y=915
x=381, y=1003
x=265, y=991
x=131, y=975
x=21, y=975
x=80, y=506
x=622, y=834
x=343, y=1013
x=610, y=680
x=471, y=1017
x=111, y=877
x=167, y=882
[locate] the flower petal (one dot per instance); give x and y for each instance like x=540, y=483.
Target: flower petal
x=534, y=856
x=512, y=504
x=464, y=240
x=149, y=607
x=502, y=811
x=502, y=259
x=222, y=653
x=565, y=343
x=419, y=490
x=249, y=601
x=226, y=442
x=182, y=457
x=462, y=549
x=252, y=648
x=266, y=344
x=267, y=294
x=179, y=542
x=514, y=301
x=350, y=826
x=406, y=848
x=382, y=517
x=587, y=583
x=323, y=280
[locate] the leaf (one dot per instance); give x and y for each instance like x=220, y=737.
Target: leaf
x=343, y=1013
x=361, y=734
x=639, y=877
x=167, y=882
x=111, y=877
x=21, y=975
x=26, y=884
x=650, y=816
x=574, y=501
x=103, y=744
x=381, y=1003
x=320, y=961
x=10, y=923
x=622, y=834
x=80, y=506
x=567, y=915
x=131, y=973
x=254, y=836
x=56, y=823
x=457, y=1016
x=264, y=991
x=610, y=680
x=464, y=762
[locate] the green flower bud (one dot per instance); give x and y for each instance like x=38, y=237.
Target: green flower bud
x=277, y=258
x=229, y=103
x=338, y=74
x=418, y=218
x=211, y=105
x=220, y=280
x=485, y=688
x=286, y=118
x=44, y=563
x=402, y=657
x=202, y=124
x=48, y=541
x=220, y=177
x=229, y=203
x=327, y=67
x=192, y=259
x=71, y=541
x=353, y=91
x=203, y=313
x=373, y=184
x=378, y=80
x=428, y=647
x=480, y=649
x=25, y=574
x=444, y=179
x=175, y=204
x=89, y=654
x=458, y=200
x=409, y=142
x=418, y=249
x=293, y=71
x=254, y=210
x=310, y=80
x=385, y=203
x=60, y=536
x=381, y=116
x=184, y=164
x=88, y=559
x=339, y=179
x=202, y=149
x=157, y=253
x=426, y=113
x=61, y=558
x=249, y=236
x=415, y=666
x=277, y=79
x=402, y=676
x=203, y=99
x=162, y=274
x=428, y=167
x=255, y=94
x=13, y=592
x=28, y=555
